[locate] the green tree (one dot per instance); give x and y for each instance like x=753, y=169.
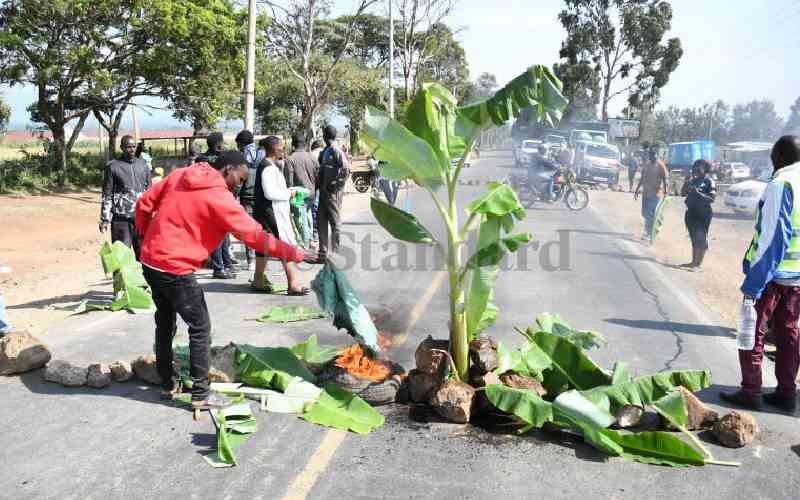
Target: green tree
x=444, y=61
x=756, y=121
x=57, y=46
x=5, y=116
x=482, y=88
x=279, y=98
x=623, y=41
x=582, y=88
x=357, y=86
x=711, y=121
x=793, y=122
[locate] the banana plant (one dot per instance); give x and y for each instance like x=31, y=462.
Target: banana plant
x=431, y=149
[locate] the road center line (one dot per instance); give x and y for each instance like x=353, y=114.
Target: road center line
x=319, y=461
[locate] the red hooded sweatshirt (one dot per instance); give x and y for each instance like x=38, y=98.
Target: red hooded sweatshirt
x=184, y=218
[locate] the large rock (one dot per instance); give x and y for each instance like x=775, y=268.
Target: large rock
x=429, y=357
x=98, y=376
x=453, y=401
x=421, y=385
x=21, y=352
x=145, y=368
x=222, y=362
x=483, y=355
x=121, y=371
x=736, y=429
x=65, y=374
x=517, y=381
x=482, y=403
x=700, y=416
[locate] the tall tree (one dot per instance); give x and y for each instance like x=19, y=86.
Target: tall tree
x=793, y=122
x=444, y=61
x=279, y=98
x=358, y=86
x=293, y=36
x=623, y=41
x=57, y=46
x=756, y=121
x=711, y=121
x=5, y=116
x=415, y=36
x=582, y=88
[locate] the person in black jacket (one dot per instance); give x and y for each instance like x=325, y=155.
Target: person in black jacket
x=700, y=192
x=124, y=181
x=334, y=168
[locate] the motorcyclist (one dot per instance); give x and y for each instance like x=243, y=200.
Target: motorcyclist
x=540, y=173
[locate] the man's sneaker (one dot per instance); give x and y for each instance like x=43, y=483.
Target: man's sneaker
x=784, y=403
x=743, y=399
x=212, y=402
x=224, y=274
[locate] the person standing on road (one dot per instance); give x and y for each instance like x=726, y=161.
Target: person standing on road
x=653, y=185
x=253, y=155
x=221, y=260
x=700, y=192
x=302, y=169
x=316, y=149
x=183, y=218
x=124, y=181
x=334, y=169
x=772, y=278
x=633, y=167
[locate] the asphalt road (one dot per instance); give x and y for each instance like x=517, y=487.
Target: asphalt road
x=123, y=443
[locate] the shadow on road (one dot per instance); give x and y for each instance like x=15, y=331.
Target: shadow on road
x=623, y=236
x=59, y=303
x=671, y=326
x=626, y=256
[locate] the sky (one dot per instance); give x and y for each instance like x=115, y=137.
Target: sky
x=734, y=50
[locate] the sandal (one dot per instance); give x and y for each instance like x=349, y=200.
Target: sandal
x=298, y=293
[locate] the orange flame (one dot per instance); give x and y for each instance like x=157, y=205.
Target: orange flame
x=355, y=361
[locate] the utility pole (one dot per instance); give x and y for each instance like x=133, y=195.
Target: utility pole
x=391, y=59
x=250, y=78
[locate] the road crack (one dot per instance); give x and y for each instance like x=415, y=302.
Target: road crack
x=661, y=311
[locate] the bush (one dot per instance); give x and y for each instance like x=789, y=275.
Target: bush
x=34, y=171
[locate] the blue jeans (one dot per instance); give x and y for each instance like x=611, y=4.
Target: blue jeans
x=221, y=258
x=313, y=206
x=649, y=204
x=5, y=326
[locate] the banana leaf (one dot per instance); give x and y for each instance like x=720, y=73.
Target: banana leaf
x=499, y=200
x=235, y=425
x=312, y=353
x=299, y=394
x=289, y=314
x=130, y=288
x=400, y=224
x=571, y=367
x=343, y=410
x=528, y=360
x=479, y=313
x=620, y=373
x=660, y=448
x=525, y=404
x=492, y=254
x=552, y=323
x=406, y=155
x=673, y=408
x=269, y=367
x=658, y=218
x=572, y=406
x=431, y=115
x=645, y=390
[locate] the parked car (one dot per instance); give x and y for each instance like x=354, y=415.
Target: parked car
x=525, y=152
x=743, y=197
x=735, y=171
x=597, y=161
x=577, y=135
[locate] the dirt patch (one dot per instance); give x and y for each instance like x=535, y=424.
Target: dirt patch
x=718, y=284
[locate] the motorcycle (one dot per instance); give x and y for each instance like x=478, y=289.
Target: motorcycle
x=363, y=180
x=565, y=188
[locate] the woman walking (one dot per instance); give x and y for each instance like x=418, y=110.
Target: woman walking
x=271, y=208
x=700, y=192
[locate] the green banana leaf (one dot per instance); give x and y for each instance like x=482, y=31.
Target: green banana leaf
x=269, y=367
x=645, y=390
x=660, y=448
x=572, y=406
x=528, y=360
x=400, y=224
x=571, y=369
x=289, y=314
x=525, y=404
x=343, y=410
x=479, y=295
x=620, y=373
x=537, y=87
x=431, y=115
x=499, y=200
x=312, y=353
x=235, y=425
x=406, y=155
x=552, y=323
x=673, y=407
x=130, y=288
x=492, y=254
x=298, y=396
x=658, y=218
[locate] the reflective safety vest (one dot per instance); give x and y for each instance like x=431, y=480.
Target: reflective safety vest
x=790, y=177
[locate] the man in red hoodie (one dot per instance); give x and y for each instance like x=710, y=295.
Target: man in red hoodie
x=183, y=219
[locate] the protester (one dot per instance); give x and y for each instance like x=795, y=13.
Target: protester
x=700, y=192
x=221, y=260
x=333, y=173
x=653, y=185
x=389, y=187
x=272, y=211
x=253, y=155
x=183, y=219
x=302, y=169
x=124, y=181
x=633, y=166
x=540, y=173
x=772, y=278
x=565, y=156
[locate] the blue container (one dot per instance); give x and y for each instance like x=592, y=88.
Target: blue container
x=684, y=154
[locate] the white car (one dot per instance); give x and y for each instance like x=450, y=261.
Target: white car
x=743, y=197
x=525, y=152
x=736, y=170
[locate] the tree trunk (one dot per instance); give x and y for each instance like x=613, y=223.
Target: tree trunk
x=60, y=152
x=307, y=121
x=355, y=132
x=606, y=98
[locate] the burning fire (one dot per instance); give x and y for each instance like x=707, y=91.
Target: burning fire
x=356, y=362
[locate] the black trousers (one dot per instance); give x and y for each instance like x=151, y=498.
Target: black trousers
x=329, y=214
x=697, y=222
x=124, y=230
x=181, y=295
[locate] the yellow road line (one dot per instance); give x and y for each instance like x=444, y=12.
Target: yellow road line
x=303, y=482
